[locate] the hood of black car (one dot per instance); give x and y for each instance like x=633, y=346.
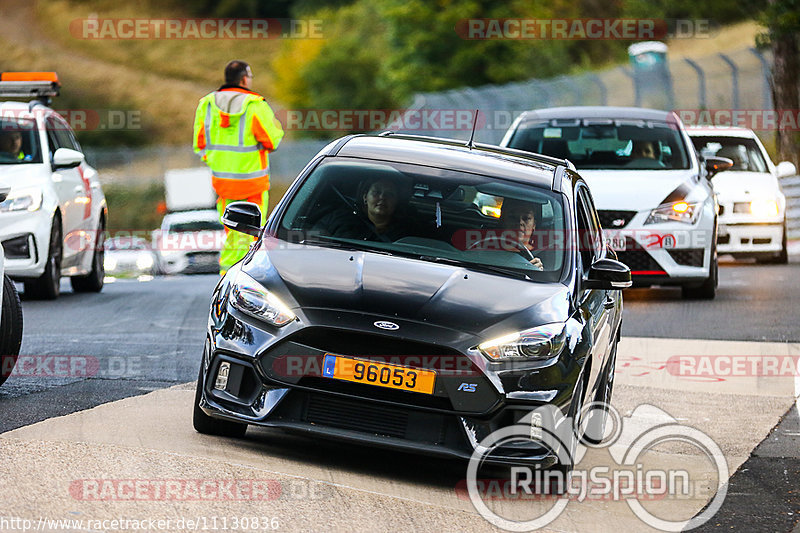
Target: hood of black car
x=395, y=287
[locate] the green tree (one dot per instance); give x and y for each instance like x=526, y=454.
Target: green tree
x=781, y=18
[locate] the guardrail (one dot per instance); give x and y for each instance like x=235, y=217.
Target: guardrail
x=791, y=188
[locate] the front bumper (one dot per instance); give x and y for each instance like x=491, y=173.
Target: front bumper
x=750, y=238
x=263, y=389
x=665, y=255
x=26, y=235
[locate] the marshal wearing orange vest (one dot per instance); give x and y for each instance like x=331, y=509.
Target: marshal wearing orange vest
x=234, y=131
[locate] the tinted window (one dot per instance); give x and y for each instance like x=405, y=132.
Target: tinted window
x=744, y=153
x=606, y=144
x=430, y=214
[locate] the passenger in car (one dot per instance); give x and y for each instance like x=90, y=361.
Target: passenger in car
x=381, y=214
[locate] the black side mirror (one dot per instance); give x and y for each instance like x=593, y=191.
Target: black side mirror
x=608, y=274
x=244, y=217
x=717, y=164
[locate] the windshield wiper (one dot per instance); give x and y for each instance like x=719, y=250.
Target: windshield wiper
x=475, y=266
x=336, y=243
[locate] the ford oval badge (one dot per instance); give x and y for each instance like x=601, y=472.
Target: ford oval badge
x=383, y=324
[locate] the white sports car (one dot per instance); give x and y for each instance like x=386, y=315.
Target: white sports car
x=10, y=315
x=52, y=222
x=653, y=192
x=752, y=208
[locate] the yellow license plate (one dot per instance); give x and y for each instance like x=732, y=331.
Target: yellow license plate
x=379, y=374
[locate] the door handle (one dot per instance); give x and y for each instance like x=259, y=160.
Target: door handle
x=78, y=189
x=609, y=303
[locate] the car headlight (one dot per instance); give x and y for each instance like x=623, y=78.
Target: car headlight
x=539, y=343
x=675, y=212
x=764, y=207
x=22, y=200
x=144, y=262
x=250, y=297
x=109, y=263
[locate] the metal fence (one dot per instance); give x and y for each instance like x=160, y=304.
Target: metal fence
x=134, y=166
x=791, y=188
x=736, y=80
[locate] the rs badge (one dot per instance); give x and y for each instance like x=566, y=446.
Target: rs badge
x=468, y=387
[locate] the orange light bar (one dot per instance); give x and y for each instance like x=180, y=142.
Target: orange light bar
x=29, y=76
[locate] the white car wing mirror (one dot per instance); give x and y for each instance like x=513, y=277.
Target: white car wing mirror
x=67, y=158
x=784, y=169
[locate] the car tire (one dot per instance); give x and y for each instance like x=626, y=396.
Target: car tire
x=48, y=285
x=213, y=426
x=10, y=329
x=708, y=289
x=93, y=281
x=596, y=425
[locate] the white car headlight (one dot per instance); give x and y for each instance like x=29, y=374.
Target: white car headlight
x=22, y=200
x=109, y=263
x=675, y=212
x=534, y=344
x=764, y=207
x=249, y=296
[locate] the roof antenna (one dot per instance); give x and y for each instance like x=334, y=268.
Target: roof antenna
x=471, y=142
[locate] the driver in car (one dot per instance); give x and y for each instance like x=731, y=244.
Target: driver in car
x=520, y=216
x=11, y=143
x=644, y=154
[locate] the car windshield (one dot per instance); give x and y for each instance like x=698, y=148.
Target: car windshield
x=605, y=144
x=19, y=141
x=431, y=214
x=195, y=225
x=744, y=153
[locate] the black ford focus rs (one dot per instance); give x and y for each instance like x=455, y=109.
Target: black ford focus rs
x=415, y=293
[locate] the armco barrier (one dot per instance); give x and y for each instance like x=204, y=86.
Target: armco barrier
x=791, y=188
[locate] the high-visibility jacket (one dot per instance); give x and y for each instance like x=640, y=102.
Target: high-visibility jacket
x=234, y=131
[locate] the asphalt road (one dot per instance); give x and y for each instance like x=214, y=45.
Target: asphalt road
x=137, y=337
x=88, y=349
x=754, y=302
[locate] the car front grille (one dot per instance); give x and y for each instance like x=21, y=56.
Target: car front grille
x=689, y=257
x=613, y=219
x=355, y=416
x=637, y=259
